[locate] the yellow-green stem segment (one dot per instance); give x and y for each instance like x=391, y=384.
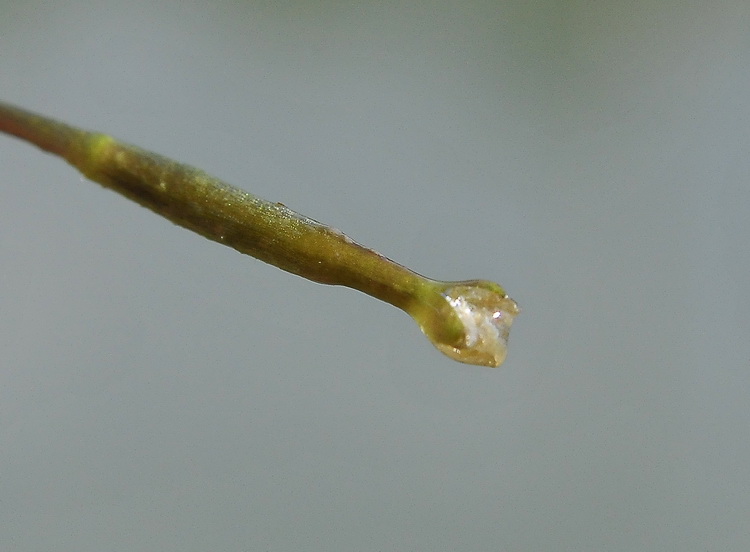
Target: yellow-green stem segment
x=468, y=321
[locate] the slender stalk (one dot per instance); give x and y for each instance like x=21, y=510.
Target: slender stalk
x=468, y=321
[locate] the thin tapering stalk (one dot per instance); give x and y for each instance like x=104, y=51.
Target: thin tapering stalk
x=469, y=321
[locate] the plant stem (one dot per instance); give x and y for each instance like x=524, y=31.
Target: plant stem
x=277, y=235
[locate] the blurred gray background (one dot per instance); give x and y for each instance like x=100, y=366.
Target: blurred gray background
x=161, y=392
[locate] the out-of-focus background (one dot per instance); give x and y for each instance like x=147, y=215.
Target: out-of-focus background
x=161, y=392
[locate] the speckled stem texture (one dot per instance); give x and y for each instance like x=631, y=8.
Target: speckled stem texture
x=268, y=231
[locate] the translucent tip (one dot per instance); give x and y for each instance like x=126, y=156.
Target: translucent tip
x=486, y=316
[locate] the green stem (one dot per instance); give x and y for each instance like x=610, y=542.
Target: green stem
x=268, y=231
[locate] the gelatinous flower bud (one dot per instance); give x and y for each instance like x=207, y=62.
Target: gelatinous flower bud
x=486, y=313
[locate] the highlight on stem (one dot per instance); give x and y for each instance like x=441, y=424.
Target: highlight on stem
x=468, y=321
